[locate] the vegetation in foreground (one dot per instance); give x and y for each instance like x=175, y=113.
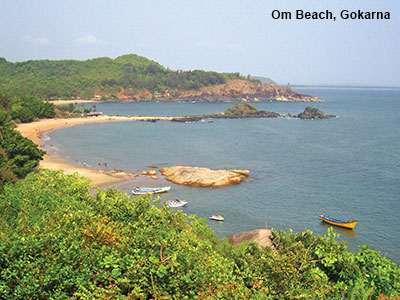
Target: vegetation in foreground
x=18, y=155
x=58, y=241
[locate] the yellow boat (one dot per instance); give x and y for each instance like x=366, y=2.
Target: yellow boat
x=217, y=218
x=344, y=224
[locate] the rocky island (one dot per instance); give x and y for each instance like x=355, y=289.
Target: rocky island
x=314, y=114
x=246, y=110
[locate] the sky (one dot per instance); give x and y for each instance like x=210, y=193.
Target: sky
x=218, y=35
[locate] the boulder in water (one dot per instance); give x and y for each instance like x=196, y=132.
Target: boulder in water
x=203, y=177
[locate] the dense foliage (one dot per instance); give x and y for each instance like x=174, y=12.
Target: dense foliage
x=59, y=242
x=26, y=108
x=73, y=78
x=18, y=155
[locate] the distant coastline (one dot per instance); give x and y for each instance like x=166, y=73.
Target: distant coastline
x=328, y=86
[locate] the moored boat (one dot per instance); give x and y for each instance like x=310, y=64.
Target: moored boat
x=149, y=190
x=217, y=218
x=175, y=203
x=344, y=224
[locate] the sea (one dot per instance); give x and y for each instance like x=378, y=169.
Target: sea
x=347, y=167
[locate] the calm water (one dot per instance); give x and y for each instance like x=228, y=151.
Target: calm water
x=347, y=167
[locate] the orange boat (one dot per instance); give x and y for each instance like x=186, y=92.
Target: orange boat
x=344, y=224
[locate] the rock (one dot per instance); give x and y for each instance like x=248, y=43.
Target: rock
x=262, y=237
x=313, y=113
x=242, y=172
x=203, y=177
x=187, y=119
x=144, y=173
x=152, y=172
x=240, y=109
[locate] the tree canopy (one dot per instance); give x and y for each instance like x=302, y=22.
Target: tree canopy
x=26, y=108
x=72, y=78
x=18, y=155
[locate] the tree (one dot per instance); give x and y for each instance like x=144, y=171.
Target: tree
x=18, y=155
x=23, y=114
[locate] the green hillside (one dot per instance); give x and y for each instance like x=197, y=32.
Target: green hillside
x=105, y=76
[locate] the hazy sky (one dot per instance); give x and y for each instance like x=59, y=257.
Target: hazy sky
x=238, y=36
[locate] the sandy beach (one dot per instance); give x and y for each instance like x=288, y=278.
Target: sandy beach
x=35, y=131
x=65, y=102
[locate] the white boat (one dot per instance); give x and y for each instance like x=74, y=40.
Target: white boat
x=175, y=203
x=149, y=190
x=217, y=218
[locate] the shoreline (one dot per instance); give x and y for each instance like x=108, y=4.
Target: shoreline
x=66, y=101
x=35, y=131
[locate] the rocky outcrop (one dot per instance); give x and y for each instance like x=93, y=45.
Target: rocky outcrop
x=262, y=237
x=238, y=111
x=244, y=89
x=314, y=114
x=203, y=177
x=247, y=110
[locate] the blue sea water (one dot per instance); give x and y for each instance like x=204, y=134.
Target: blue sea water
x=347, y=167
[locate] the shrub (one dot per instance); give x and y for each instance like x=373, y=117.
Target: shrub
x=58, y=241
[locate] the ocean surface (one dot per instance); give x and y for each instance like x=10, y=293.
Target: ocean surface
x=347, y=167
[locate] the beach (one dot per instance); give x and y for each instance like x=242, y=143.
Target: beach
x=65, y=102
x=35, y=131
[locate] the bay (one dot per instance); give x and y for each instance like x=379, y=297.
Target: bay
x=347, y=167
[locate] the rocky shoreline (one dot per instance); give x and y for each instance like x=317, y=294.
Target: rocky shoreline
x=238, y=89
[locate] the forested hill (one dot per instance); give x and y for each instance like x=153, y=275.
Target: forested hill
x=103, y=76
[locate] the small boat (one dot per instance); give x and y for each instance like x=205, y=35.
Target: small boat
x=175, y=203
x=149, y=190
x=217, y=218
x=344, y=224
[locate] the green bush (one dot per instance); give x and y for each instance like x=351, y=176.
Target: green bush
x=26, y=108
x=18, y=155
x=59, y=242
